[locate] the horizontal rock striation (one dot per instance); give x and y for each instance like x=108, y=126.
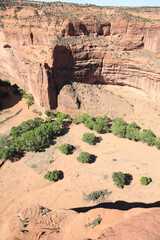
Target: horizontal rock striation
x=89, y=48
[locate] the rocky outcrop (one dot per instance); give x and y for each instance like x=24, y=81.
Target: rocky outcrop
x=88, y=48
x=38, y=222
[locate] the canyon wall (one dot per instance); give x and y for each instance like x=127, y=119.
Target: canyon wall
x=41, y=54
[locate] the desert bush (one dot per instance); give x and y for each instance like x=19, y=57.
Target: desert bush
x=89, y=122
x=102, y=120
x=80, y=118
x=93, y=196
x=145, y=180
x=106, y=129
x=57, y=114
x=84, y=157
x=53, y=175
x=132, y=132
x=157, y=143
x=119, y=127
x=29, y=102
x=66, y=148
x=48, y=113
x=94, y=223
x=148, y=137
x=4, y=143
x=119, y=179
x=89, y=138
x=98, y=127
x=5, y=83
x=20, y=91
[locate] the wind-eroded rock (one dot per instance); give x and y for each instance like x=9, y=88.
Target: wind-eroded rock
x=42, y=57
x=37, y=222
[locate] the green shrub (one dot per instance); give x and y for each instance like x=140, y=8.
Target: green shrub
x=53, y=175
x=157, y=143
x=19, y=91
x=57, y=114
x=48, y=113
x=29, y=102
x=98, y=127
x=148, y=136
x=94, y=223
x=5, y=83
x=145, y=180
x=102, y=120
x=96, y=195
x=89, y=138
x=84, y=157
x=37, y=138
x=89, y=123
x=106, y=128
x=119, y=127
x=119, y=179
x=26, y=126
x=66, y=148
x=132, y=132
x=83, y=117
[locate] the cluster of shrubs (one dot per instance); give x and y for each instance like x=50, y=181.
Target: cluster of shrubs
x=28, y=96
x=31, y=135
x=57, y=114
x=120, y=179
x=99, y=124
x=119, y=128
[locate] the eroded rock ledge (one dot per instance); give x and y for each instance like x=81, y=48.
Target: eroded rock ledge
x=42, y=58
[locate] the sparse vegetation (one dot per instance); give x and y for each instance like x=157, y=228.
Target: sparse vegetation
x=53, y=175
x=95, y=222
x=96, y=195
x=11, y=116
x=66, y=148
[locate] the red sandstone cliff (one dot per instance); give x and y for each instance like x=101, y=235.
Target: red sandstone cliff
x=45, y=46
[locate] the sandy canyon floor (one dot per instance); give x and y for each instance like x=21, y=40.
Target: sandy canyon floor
x=22, y=183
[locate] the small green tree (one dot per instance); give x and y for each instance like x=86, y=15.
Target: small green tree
x=119, y=179
x=89, y=138
x=157, y=143
x=145, y=180
x=98, y=127
x=89, y=122
x=84, y=157
x=66, y=148
x=132, y=132
x=148, y=136
x=53, y=175
x=119, y=127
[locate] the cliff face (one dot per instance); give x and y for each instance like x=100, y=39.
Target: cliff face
x=44, y=46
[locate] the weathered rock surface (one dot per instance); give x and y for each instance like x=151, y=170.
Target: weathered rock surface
x=37, y=222
x=44, y=48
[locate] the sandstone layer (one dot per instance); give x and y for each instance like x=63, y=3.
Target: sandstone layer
x=38, y=222
x=47, y=45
